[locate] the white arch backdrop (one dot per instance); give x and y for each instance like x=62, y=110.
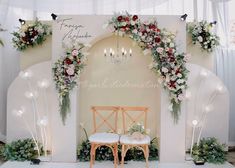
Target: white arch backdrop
x=64, y=138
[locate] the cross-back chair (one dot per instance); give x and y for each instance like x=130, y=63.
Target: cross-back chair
x=127, y=141
x=98, y=139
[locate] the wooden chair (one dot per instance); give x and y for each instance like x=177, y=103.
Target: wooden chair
x=126, y=141
x=98, y=139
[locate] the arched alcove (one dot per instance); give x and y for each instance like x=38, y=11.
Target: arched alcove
x=131, y=83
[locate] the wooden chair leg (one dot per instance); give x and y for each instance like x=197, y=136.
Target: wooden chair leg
x=147, y=155
x=115, y=155
x=91, y=155
x=123, y=156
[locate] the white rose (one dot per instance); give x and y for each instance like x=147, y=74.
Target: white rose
x=200, y=39
x=172, y=45
x=135, y=31
x=181, y=97
x=164, y=69
x=132, y=22
x=160, y=50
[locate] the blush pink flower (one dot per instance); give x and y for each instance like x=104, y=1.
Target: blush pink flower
x=75, y=52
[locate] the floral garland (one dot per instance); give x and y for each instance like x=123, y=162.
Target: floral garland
x=167, y=62
x=30, y=35
x=66, y=71
x=201, y=32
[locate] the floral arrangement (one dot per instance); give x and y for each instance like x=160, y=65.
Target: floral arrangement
x=202, y=33
x=20, y=150
x=168, y=63
x=30, y=35
x=209, y=150
x=137, y=128
x=66, y=71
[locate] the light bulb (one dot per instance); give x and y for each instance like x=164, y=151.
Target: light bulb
x=31, y=95
x=105, y=52
x=130, y=52
x=43, y=84
x=194, y=122
x=220, y=88
x=203, y=74
x=43, y=121
x=19, y=112
x=208, y=108
x=26, y=74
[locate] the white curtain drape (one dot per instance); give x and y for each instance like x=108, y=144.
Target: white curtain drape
x=225, y=68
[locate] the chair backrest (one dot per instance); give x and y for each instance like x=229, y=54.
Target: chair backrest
x=105, y=120
x=128, y=114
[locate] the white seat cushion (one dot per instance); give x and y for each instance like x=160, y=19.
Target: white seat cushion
x=104, y=138
x=127, y=139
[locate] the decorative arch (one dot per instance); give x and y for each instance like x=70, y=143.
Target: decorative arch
x=168, y=63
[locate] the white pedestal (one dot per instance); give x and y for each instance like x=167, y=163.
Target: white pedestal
x=172, y=136
x=64, y=137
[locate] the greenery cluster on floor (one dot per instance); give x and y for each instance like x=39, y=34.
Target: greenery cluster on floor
x=209, y=150
x=20, y=150
x=105, y=153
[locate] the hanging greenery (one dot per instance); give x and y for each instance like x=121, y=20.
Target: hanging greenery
x=30, y=34
x=66, y=71
x=168, y=63
x=202, y=33
x=209, y=150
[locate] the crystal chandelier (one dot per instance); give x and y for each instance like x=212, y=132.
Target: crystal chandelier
x=118, y=56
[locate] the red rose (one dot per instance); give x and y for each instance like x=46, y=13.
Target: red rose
x=177, y=71
x=172, y=59
x=172, y=84
x=170, y=50
x=158, y=30
x=157, y=39
x=152, y=26
x=68, y=61
x=135, y=17
x=119, y=18
x=127, y=19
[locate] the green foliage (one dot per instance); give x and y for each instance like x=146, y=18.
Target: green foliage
x=105, y=153
x=19, y=150
x=209, y=150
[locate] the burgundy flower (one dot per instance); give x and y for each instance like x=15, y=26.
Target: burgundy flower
x=68, y=61
x=172, y=84
x=172, y=59
x=157, y=39
x=152, y=26
x=119, y=18
x=127, y=19
x=177, y=71
x=135, y=17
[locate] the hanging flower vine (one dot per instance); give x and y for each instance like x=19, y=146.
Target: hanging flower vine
x=30, y=35
x=202, y=33
x=168, y=63
x=66, y=72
